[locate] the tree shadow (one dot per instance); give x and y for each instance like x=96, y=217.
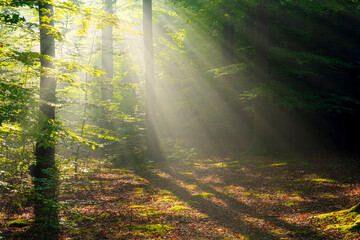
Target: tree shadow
x=226, y=216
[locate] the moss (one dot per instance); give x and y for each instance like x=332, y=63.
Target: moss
x=79, y=216
x=273, y=165
x=140, y=191
x=204, y=195
x=100, y=182
x=153, y=214
x=164, y=192
x=345, y=227
x=179, y=208
x=355, y=209
x=291, y=203
x=345, y=220
x=155, y=228
x=20, y=223
x=318, y=180
x=219, y=165
x=167, y=199
x=328, y=196
x=120, y=170
x=139, y=179
x=355, y=227
x=142, y=207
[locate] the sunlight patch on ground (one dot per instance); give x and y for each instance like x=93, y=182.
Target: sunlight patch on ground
x=265, y=226
x=249, y=196
x=212, y=179
x=317, y=180
x=346, y=221
x=273, y=165
x=328, y=196
x=353, y=192
x=161, y=174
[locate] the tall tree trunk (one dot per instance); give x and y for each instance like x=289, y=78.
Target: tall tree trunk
x=228, y=36
x=262, y=142
x=107, y=61
x=45, y=172
x=262, y=41
x=152, y=138
x=228, y=45
x=227, y=48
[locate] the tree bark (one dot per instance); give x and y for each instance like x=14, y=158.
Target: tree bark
x=45, y=172
x=107, y=62
x=228, y=37
x=262, y=41
x=262, y=142
x=152, y=138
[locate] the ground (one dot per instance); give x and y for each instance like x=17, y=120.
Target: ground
x=233, y=197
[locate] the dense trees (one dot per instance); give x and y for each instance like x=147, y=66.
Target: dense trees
x=280, y=42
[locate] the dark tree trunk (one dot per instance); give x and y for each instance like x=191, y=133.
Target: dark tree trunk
x=262, y=41
x=152, y=138
x=228, y=42
x=107, y=61
x=45, y=172
x=262, y=136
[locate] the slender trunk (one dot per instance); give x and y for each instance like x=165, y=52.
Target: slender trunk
x=77, y=153
x=45, y=171
x=107, y=60
x=228, y=41
x=152, y=139
x=262, y=127
x=227, y=48
x=262, y=41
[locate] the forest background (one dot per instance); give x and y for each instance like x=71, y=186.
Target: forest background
x=220, y=77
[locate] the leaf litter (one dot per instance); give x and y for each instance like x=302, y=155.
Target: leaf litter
x=238, y=197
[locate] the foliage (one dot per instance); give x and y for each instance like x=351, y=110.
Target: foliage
x=283, y=54
x=228, y=70
x=16, y=100
x=293, y=97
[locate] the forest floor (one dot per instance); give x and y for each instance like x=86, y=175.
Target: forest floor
x=237, y=197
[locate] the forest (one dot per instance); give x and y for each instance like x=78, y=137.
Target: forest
x=179, y=119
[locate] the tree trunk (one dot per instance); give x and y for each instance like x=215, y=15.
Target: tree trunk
x=228, y=37
x=262, y=41
x=152, y=138
x=45, y=172
x=262, y=142
x=107, y=61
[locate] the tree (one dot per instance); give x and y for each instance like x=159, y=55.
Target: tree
x=107, y=60
x=152, y=139
x=228, y=35
x=262, y=129
x=303, y=102
x=45, y=171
